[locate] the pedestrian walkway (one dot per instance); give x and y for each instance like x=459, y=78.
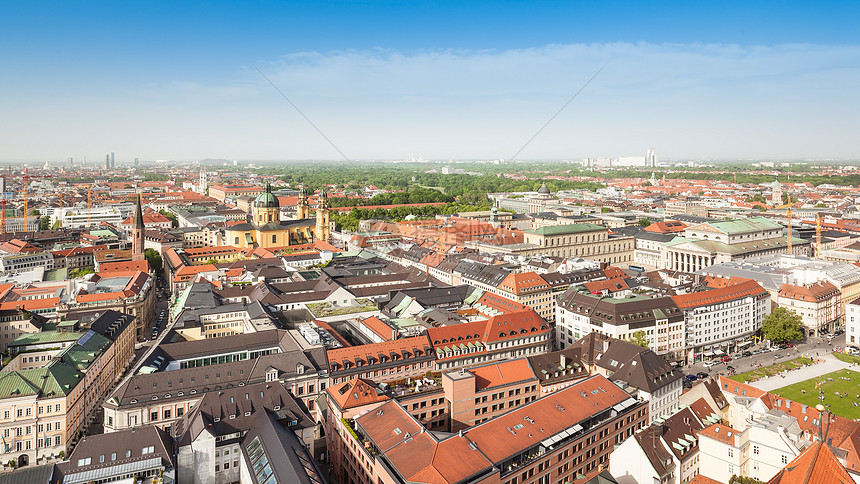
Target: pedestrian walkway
x=828, y=364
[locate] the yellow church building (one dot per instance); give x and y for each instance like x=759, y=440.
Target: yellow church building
x=267, y=230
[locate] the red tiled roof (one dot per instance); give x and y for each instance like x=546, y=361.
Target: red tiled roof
x=518, y=283
x=399, y=350
x=499, y=303
x=813, y=293
x=204, y=251
x=738, y=388
x=611, y=285
x=816, y=464
x=514, y=325
x=356, y=393
x=502, y=373
x=714, y=296
x=666, y=227
x=721, y=433
x=702, y=479
x=378, y=327
x=124, y=266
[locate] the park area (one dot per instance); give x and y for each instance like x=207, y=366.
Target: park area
x=759, y=373
x=840, y=391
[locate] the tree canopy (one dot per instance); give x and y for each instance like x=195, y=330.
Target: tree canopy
x=638, y=338
x=782, y=325
x=154, y=259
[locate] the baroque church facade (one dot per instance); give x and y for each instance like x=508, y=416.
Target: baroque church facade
x=267, y=230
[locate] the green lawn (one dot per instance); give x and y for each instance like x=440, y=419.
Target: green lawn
x=847, y=358
x=844, y=407
x=771, y=370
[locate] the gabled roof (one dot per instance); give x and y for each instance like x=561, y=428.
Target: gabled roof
x=501, y=373
x=400, y=350
x=720, y=295
x=356, y=392
x=523, y=282
x=816, y=465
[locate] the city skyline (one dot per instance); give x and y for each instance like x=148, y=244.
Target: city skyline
x=442, y=80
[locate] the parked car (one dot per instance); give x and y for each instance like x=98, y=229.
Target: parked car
x=737, y=355
x=731, y=368
x=726, y=359
x=747, y=353
x=711, y=363
x=777, y=356
x=838, y=332
x=702, y=375
x=691, y=378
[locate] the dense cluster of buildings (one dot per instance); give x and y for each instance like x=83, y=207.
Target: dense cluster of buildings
x=220, y=328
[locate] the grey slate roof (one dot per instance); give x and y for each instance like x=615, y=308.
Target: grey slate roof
x=287, y=458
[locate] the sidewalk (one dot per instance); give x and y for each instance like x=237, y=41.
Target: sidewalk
x=828, y=364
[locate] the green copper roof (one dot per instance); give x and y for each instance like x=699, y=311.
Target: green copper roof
x=45, y=337
x=745, y=225
x=566, y=229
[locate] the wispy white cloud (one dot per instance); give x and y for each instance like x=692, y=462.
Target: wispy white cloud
x=708, y=100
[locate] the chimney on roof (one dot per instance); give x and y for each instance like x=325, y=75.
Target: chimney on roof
x=605, y=345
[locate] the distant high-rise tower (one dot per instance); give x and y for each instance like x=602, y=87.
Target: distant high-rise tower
x=136, y=161
x=137, y=233
x=112, y=160
x=202, y=185
x=651, y=158
x=107, y=162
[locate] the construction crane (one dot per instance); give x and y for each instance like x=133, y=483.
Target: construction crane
x=790, y=252
x=27, y=178
x=818, y=236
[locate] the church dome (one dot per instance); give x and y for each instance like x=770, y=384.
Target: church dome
x=543, y=190
x=266, y=199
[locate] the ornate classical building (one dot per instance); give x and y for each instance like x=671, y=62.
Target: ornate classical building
x=266, y=229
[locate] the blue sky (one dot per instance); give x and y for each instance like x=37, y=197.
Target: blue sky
x=462, y=80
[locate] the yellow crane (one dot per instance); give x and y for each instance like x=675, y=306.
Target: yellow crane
x=789, y=226
x=818, y=236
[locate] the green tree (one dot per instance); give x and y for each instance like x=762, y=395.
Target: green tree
x=820, y=205
x=45, y=223
x=644, y=222
x=638, y=338
x=56, y=225
x=154, y=259
x=605, y=210
x=782, y=325
x=174, y=222
x=81, y=272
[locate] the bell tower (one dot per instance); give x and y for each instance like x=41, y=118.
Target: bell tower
x=302, y=210
x=322, y=228
x=137, y=233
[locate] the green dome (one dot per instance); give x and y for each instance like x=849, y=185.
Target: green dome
x=266, y=199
